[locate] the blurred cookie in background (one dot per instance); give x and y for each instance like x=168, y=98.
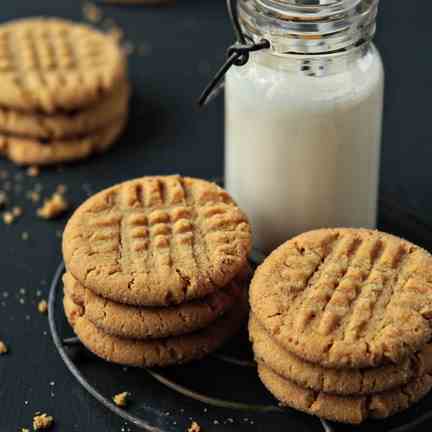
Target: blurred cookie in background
x=65, y=91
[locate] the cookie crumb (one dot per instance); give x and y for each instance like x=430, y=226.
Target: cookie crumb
x=33, y=171
x=43, y=307
x=8, y=218
x=194, y=427
x=92, y=13
x=53, y=207
x=17, y=211
x=34, y=196
x=25, y=236
x=42, y=421
x=3, y=348
x=61, y=189
x=121, y=399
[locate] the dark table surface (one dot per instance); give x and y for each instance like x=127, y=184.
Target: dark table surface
x=180, y=46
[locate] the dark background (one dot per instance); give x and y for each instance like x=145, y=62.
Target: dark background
x=180, y=46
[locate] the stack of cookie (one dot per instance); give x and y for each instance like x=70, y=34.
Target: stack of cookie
x=64, y=91
x=340, y=323
x=156, y=270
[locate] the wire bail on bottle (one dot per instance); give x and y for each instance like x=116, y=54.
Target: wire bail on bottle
x=237, y=55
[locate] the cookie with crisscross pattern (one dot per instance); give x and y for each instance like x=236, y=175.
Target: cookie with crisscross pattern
x=157, y=241
x=346, y=297
x=52, y=65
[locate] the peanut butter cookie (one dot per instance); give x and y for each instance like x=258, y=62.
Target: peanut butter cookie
x=51, y=65
x=157, y=241
x=152, y=322
x=58, y=126
x=337, y=381
x=344, y=409
x=346, y=298
x=155, y=352
x=28, y=151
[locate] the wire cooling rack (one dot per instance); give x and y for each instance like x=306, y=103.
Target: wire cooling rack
x=222, y=390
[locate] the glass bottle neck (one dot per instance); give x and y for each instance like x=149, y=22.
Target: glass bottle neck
x=317, y=65
x=309, y=26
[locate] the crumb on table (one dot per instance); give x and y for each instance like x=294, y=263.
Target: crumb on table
x=53, y=207
x=92, y=13
x=194, y=427
x=34, y=196
x=3, y=348
x=42, y=421
x=17, y=211
x=33, y=171
x=43, y=307
x=8, y=218
x=121, y=399
x=61, y=189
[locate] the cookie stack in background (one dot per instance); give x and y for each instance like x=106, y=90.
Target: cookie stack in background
x=64, y=91
x=340, y=324
x=157, y=270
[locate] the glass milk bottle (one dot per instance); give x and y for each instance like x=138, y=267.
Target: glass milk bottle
x=303, y=118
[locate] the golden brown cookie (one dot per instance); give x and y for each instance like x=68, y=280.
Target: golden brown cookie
x=157, y=241
x=152, y=322
x=346, y=297
x=339, y=381
x=50, y=65
x=66, y=124
x=344, y=409
x=155, y=352
x=27, y=151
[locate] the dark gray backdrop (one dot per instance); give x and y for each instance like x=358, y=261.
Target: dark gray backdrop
x=168, y=135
